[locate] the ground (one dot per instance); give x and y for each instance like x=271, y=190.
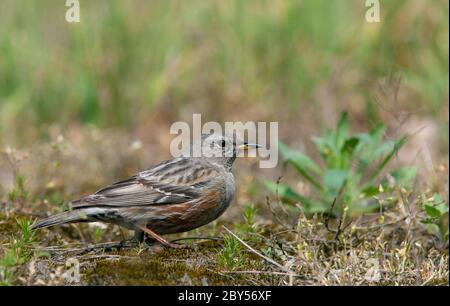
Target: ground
x=310, y=252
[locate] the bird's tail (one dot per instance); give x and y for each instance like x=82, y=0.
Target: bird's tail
x=78, y=215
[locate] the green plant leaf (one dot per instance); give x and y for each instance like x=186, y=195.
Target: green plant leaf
x=351, y=164
x=326, y=147
x=283, y=191
x=333, y=180
x=370, y=191
x=434, y=229
x=404, y=176
x=368, y=143
x=440, y=204
x=437, y=198
x=376, y=134
x=350, y=145
x=299, y=158
x=436, y=208
x=342, y=131
x=397, y=144
x=428, y=221
x=347, y=151
x=382, y=149
x=287, y=194
x=432, y=211
x=302, y=163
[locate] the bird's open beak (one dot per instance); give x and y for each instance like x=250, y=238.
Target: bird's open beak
x=248, y=146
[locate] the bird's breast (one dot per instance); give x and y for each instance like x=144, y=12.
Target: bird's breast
x=229, y=189
x=174, y=218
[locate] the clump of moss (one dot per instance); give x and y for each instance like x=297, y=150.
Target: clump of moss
x=167, y=267
x=196, y=266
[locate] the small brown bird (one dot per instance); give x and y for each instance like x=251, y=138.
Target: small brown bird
x=174, y=196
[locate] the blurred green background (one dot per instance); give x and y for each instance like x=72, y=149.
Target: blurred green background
x=129, y=62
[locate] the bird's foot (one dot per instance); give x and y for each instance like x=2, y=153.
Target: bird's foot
x=161, y=240
x=150, y=242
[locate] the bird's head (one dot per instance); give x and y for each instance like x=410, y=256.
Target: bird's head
x=222, y=149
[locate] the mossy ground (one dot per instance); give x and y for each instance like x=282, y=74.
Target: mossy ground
x=149, y=264
x=311, y=254
x=158, y=266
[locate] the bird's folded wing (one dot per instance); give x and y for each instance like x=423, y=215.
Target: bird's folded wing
x=171, y=182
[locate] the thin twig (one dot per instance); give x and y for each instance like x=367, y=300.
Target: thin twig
x=339, y=229
x=263, y=272
x=280, y=203
x=274, y=214
x=107, y=257
x=104, y=246
x=270, y=260
x=380, y=225
x=198, y=238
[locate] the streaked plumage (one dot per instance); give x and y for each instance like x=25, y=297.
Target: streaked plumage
x=174, y=196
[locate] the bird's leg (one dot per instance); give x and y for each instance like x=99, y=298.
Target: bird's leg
x=139, y=236
x=159, y=238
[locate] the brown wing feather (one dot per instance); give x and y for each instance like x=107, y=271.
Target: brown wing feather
x=172, y=182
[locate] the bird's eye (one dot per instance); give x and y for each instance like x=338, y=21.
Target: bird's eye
x=222, y=143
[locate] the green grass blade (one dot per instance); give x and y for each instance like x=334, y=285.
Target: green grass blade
x=342, y=131
x=397, y=145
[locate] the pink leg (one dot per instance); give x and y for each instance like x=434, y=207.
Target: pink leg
x=160, y=239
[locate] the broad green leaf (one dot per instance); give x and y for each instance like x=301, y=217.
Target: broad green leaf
x=376, y=134
x=437, y=198
x=342, y=131
x=326, y=147
x=363, y=138
x=347, y=152
x=298, y=158
x=404, y=176
x=382, y=150
x=432, y=211
x=284, y=191
x=287, y=194
x=397, y=145
x=436, y=208
x=350, y=145
x=370, y=191
x=355, y=186
x=440, y=204
x=333, y=180
x=315, y=208
x=434, y=229
x=369, y=142
x=428, y=221
x=302, y=163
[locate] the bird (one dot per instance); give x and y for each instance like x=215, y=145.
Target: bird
x=174, y=196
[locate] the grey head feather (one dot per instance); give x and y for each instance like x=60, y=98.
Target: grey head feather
x=216, y=148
